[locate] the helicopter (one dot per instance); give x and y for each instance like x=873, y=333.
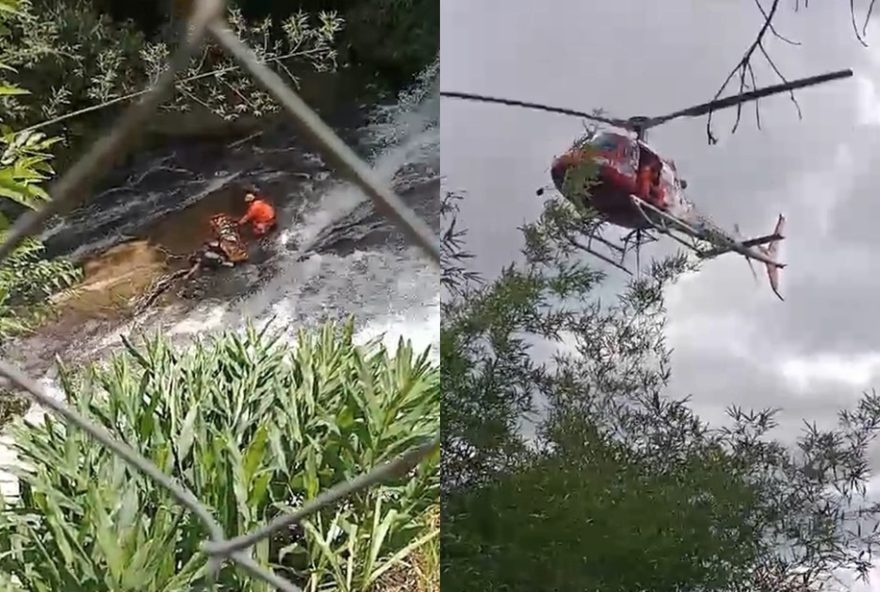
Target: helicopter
x=630, y=185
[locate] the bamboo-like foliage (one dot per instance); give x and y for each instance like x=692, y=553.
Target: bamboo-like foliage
x=253, y=427
x=623, y=486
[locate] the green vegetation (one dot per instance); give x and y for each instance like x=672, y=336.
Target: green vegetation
x=622, y=486
x=397, y=39
x=78, y=54
x=26, y=279
x=79, y=61
x=252, y=427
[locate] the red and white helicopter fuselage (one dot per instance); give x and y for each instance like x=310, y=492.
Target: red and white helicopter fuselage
x=609, y=184
x=616, y=159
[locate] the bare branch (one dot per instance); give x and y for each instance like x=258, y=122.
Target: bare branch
x=868, y=18
x=744, y=66
x=852, y=16
x=772, y=28
x=778, y=73
x=757, y=103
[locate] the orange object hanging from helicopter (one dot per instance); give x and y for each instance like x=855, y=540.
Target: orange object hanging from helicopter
x=630, y=185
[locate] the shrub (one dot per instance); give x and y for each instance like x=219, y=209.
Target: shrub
x=26, y=281
x=27, y=277
x=73, y=57
x=252, y=426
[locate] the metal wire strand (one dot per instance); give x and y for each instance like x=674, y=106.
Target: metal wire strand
x=399, y=466
x=102, y=155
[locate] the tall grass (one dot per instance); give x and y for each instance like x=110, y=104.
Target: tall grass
x=253, y=427
x=427, y=563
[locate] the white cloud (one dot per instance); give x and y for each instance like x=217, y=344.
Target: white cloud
x=852, y=372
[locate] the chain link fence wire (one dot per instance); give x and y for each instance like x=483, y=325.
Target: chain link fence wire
x=206, y=20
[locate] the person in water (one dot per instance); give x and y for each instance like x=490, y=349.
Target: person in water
x=260, y=214
x=211, y=254
x=225, y=230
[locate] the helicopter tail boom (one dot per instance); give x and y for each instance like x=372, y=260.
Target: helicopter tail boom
x=763, y=249
x=771, y=250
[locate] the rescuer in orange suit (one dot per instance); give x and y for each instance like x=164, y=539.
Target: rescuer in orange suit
x=259, y=213
x=649, y=187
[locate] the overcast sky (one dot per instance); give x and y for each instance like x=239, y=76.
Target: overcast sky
x=734, y=341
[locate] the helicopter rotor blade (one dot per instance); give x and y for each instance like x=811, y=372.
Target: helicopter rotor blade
x=482, y=98
x=732, y=101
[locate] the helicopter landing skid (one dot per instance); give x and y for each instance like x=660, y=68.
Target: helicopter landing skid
x=657, y=222
x=707, y=241
x=674, y=228
x=632, y=241
x=588, y=248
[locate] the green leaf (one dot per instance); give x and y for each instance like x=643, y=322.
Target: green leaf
x=9, y=7
x=187, y=431
x=255, y=454
x=8, y=90
x=106, y=537
x=401, y=554
x=193, y=570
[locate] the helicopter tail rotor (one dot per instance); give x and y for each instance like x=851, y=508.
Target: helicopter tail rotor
x=738, y=235
x=771, y=251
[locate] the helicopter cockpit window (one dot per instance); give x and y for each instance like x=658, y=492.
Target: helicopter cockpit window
x=605, y=143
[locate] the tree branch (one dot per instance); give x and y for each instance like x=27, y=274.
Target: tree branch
x=860, y=34
x=744, y=68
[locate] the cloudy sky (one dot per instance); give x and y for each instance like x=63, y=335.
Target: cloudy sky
x=734, y=341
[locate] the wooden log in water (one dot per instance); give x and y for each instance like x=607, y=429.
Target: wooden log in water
x=162, y=286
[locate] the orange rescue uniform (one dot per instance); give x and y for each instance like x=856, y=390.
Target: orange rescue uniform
x=649, y=187
x=261, y=215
